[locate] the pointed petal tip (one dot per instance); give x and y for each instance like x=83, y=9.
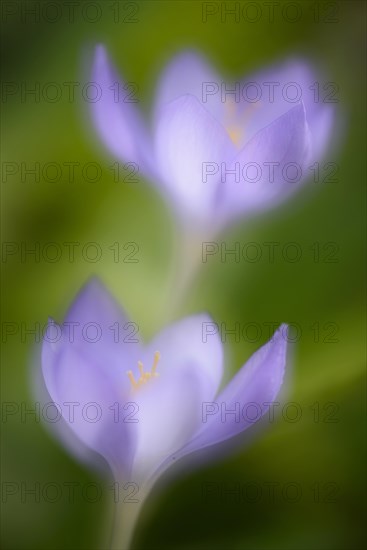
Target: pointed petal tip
x=92, y=294
x=280, y=340
x=100, y=52
x=282, y=331
x=189, y=55
x=52, y=335
x=204, y=316
x=52, y=340
x=299, y=109
x=93, y=285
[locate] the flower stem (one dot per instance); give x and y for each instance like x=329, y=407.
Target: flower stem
x=186, y=264
x=126, y=516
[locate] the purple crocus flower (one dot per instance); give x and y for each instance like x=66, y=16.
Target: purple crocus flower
x=217, y=151
x=147, y=405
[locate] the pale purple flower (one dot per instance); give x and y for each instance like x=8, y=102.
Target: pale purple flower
x=165, y=391
x=217, y=156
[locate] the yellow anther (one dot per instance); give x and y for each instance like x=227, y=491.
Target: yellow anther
x=157, y=357
x=144, y=376
x=141, y=368
x=132, y=379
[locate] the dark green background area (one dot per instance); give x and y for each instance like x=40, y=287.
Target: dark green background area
x=325, y=456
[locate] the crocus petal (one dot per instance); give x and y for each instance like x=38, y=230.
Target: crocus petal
x=98, y=328
x=271, y=166
x=115, y=116
x=277, y=90
x=186, y=137
x=169, y=413
x=184, y=346
x=250, y=392
x=189, y=73
x=86, y=396
x=88, y=364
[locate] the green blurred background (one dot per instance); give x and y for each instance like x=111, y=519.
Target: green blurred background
x=321, y=457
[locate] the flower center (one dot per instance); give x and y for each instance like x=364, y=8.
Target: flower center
x=235, y=121
x=144, y=376
x=234, y=129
